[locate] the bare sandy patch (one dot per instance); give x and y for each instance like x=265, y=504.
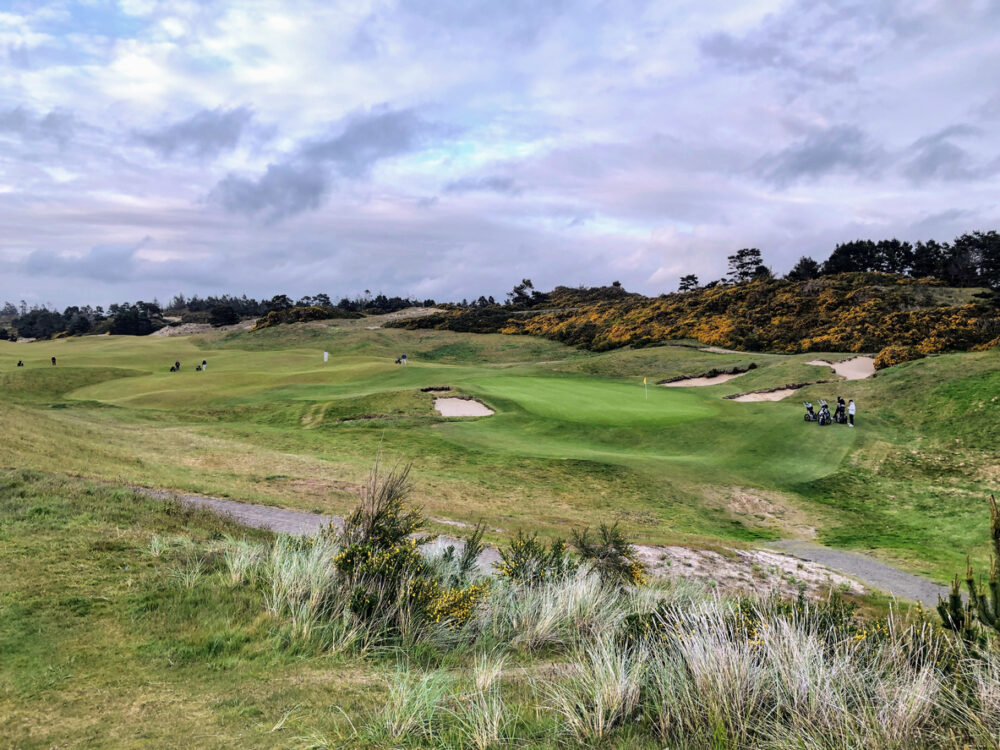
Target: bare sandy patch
x=694, y=382
x=857, y=368
x=462, y=407
x=751, y=571
x=765, y=395
x=189, y=329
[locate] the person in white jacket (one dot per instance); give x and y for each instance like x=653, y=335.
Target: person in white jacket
x=851, y=408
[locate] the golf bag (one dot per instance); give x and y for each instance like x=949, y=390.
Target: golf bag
x=824, y=414
x=840, y=416
x=810, y=415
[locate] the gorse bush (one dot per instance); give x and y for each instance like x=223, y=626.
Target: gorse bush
x=853, y=312
x=528, y=560
x=610, y=555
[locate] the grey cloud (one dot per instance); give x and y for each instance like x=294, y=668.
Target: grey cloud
x=300, y=182
x=205, y=134
x=113, y=262
x=368, y=138
x=55, y=126
x=283, y=190
x=937, y=157
x=488, y=183
x=841, y=148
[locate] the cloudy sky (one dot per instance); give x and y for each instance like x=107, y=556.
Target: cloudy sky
x=448, y=148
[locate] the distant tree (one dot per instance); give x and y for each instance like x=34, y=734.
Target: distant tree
x=223, y=315
x=5, y=335
x=928, y=259
x=179, y=302
x=960, y=262
x=616, y=284
x=746, y=265
x=859, y=255
x=975, y=255
x=688, y=283
x=39, y=323
x=279, y=302
x=522, y=294
x=322, y=300
x=893, y=256
x=8, y=310
x=140, y=319
x=804, y=270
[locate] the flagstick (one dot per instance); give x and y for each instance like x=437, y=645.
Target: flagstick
x=645, y=388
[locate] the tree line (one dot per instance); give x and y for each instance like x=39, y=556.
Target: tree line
x=970, y=260
x=141, y=318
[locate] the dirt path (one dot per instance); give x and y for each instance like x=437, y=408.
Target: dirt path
x=872, y=572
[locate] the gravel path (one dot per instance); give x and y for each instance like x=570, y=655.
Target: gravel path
x=872, y=572
x=280, y=520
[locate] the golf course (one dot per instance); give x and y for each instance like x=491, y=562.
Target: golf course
x=119, y=600
x=577, y=437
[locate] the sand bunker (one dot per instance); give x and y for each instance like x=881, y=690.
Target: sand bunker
x=718, y=350
x=714, y=380
x=857, y=368
x=461, y=407
x=765, y=395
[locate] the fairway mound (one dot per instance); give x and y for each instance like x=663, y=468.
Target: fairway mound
x=712, y=377
x=857, y=368
x=462, y=407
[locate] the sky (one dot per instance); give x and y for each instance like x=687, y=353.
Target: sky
x=449, y=148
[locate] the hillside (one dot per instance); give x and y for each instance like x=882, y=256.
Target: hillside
x=851, y=312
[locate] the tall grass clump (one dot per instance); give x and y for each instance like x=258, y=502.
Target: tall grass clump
x=602, y=690
x=481, y=714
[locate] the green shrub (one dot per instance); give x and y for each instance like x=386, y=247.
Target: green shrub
x=528, y=560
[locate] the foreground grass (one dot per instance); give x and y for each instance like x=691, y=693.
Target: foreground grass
x=125, y=622
x=117, y=630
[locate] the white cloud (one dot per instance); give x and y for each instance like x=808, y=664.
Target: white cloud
x=572, y=142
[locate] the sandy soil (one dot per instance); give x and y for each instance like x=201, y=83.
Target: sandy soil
x=715, y=380
x=754, y=570
x=765, y=396
x=407, y=314
x=461, y=407
x=188, y=329
x=718, y=350
x=857, y=368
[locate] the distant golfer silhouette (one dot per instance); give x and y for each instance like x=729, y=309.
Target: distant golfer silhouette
x=177, y=366
x=20, y=363
x=53, y=361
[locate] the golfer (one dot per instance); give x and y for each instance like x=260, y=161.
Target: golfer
x=851, y=408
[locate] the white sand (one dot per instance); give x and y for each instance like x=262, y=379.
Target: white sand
x=719, y=350
x=715, y=380
x=857, y=368
x=768, y=396
x=461, y=407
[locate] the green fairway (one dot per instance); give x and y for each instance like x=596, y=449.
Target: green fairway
x=576, y=438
